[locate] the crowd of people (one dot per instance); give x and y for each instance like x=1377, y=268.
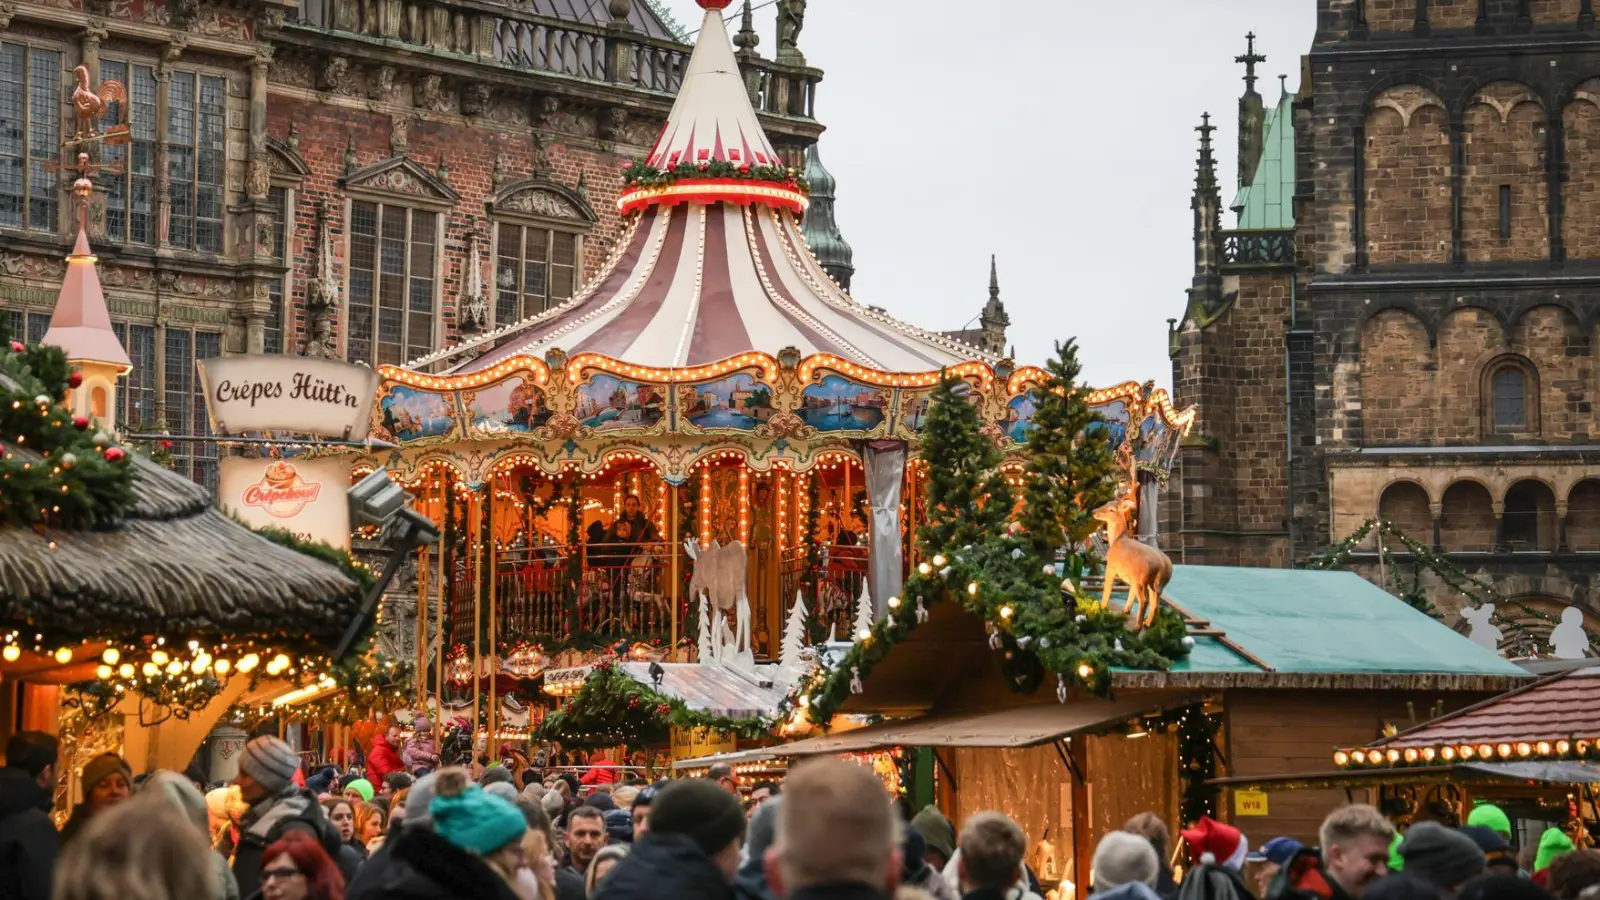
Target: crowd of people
x=828, y=831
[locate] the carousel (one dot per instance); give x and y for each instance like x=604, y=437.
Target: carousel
x=708, y=433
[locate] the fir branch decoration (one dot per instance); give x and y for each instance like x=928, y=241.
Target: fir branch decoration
x=643, y=175
x=973, y=553
x=612, y=708
x=1070, y=470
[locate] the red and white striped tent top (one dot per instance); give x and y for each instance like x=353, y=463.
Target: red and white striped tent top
x=698, y=282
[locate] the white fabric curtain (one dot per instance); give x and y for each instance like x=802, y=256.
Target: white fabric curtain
x=886, y=472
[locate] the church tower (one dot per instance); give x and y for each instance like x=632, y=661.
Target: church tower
x=821, y=230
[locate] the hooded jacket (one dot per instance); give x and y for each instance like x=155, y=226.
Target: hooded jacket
x=28, y=839
x=665, y=867
x=1302, y=878
x=422, y=751
x=294, y=809
x=383, y=761
x=937, y=831
x=421, y=865
x=1210, y=881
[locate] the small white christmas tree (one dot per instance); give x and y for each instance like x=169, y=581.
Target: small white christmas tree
x=703, y=645
x=864, y=617
x=794, y=634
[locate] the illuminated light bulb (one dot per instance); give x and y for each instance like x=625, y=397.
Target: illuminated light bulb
x=102, y=671
x=149, y=669
x=64, y=655
x=972, y=589
x=1524, y=749
x=1485, y=751
x=1428, y=753
x=863, y=634
x=175, y=668
x=1543, y=747
x=1341, y=759
x=111, y=656
x=1005, y=611
x=1085, y=670
x=894, y=602
x=11, y=653
x=1359, y=757
x=1447, y=753
x=938, y=560
x=249, y=663
x=159, y=657
x=201, y=663
x=125, y=670
x=1561, y=747
x=1411, y=754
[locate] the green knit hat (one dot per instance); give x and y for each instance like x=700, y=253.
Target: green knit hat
x=1553, y=843
x=362, y=787
x=1491, y=817
x=1396, y=861
x=476, y=822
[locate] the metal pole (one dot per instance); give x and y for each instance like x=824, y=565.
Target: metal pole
x=477, y=620
x=672, y=552
x=422, y=629
x=446, y=496
x=494, y=631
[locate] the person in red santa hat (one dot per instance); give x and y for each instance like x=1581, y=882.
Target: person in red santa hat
x=1218, y=852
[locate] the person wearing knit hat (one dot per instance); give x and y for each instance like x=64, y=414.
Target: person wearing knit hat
x=1440, y=857
x=106, y=782
x=691, y=851
x=1225, y=844
x=359, y=791
x=1496, y=849
x=484, y=825
x=266, y=767
x=1553, y=843
x=1491, y=817
x=1125, y=866
x=431, y=856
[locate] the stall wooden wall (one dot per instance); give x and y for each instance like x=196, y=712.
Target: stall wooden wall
x=1276, y=732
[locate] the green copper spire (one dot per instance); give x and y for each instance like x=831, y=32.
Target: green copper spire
x=821, y=231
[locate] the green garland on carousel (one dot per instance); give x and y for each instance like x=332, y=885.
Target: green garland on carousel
x=612, y=708
x=640, y=174
x=1412, y=591
x=973, y=553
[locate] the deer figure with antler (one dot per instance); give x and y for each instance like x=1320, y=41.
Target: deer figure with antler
x=1144, y=569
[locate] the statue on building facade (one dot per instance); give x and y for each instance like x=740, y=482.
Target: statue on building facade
x=791, y=19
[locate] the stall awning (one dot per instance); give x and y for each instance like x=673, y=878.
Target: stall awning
x=1554, y=772
x=1023, y=726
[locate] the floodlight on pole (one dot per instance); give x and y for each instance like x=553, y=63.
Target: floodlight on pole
x=380, y=503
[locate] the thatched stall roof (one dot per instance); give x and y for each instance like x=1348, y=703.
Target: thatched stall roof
x=172, y=565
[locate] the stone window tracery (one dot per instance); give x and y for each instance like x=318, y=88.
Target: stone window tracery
x=30, y=136
x=392, y=305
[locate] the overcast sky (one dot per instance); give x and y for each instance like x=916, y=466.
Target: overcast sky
x=1058, y=136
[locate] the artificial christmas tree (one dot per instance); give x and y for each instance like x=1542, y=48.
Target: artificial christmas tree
x=794, y=633
x=1070, y=470
x=703, y=645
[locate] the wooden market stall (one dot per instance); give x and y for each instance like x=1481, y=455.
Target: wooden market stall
x=1283, y=666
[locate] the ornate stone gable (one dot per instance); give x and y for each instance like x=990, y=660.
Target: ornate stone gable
x=284, y=161
x=542, y=198
x=400, y=178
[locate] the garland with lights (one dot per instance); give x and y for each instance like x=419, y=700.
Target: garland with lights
x=1422, y=557
x=644, y=175
x=53, y=471
x=612, y=708
x=973, y=553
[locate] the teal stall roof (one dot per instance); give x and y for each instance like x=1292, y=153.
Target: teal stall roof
x=1308, y=622
x=1267, y=202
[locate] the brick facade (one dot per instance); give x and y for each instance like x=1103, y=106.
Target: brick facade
x=1429, y=356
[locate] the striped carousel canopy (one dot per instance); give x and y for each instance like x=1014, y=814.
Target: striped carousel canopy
x=708, y=272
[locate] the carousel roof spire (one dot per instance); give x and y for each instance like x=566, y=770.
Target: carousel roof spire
x=712, y=120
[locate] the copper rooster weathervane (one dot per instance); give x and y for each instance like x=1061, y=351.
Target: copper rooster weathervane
x=88, y=104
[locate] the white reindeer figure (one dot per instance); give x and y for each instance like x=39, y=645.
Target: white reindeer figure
x=719, y=575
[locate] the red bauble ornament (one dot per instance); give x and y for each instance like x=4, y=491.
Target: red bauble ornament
x=115, y=454
x=663, y=710
x=744, y=170
x=18, y=347
x=633, y=702
x=75, y=379
x=80, y=422
x=714, y=4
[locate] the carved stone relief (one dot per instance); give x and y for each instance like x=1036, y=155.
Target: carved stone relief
x=380, y=86
x=291, y=72
x=474, y=98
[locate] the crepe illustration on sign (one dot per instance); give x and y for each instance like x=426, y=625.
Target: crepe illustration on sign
x=608, y=403
x=837, y=404
x=738, y=401
x=282, y=492
x=512, y=406
x=410, y=414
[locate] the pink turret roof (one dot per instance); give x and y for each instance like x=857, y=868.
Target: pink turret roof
x=80, y=325
x=712, y=120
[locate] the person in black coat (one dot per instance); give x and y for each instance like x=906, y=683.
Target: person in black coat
x=276, y=806
x=420, y=865
x=28, y=839
x=691, y=851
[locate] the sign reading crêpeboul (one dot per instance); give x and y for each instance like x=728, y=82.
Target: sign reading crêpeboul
x=322, y=397
x=304, y=496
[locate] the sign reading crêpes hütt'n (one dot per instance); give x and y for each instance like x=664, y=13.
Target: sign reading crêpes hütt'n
x=304, y=496
x=322, y=397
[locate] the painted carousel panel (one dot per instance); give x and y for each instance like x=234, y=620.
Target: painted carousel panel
x=409, y=414
x=609, y=403
x=513, y=406
x=836, y=403
x=739, y=402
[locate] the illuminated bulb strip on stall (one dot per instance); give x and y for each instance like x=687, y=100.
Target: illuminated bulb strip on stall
x=1448, y=753
x=577, y=366
x=802, y=508
x=811, y=364
x=531, y=366
x=710, y=191
x=781, y=484
x=705, y=507
x=744, y=506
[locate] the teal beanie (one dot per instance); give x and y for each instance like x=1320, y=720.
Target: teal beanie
x=476, y=822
